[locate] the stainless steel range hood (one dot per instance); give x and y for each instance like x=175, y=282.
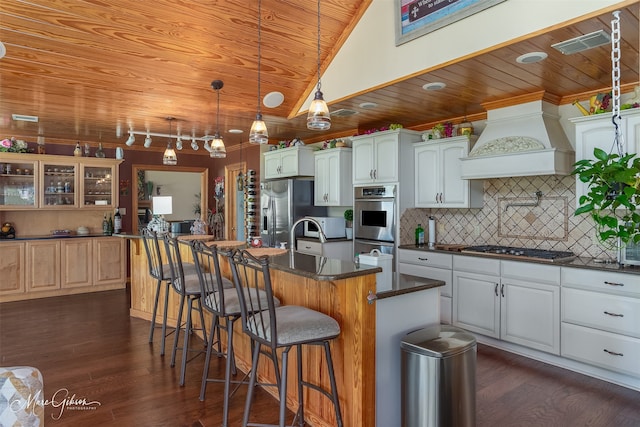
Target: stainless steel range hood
x=520, y=140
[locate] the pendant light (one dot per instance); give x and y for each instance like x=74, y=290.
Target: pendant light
x=217, y=145
x=258, y=133
x=318, y=117
x=169, y=158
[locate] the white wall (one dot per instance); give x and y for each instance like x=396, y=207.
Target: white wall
x=182, y=186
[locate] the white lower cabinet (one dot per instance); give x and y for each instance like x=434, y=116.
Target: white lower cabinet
x=601, y=319
x=500, y=299
x=432, y=265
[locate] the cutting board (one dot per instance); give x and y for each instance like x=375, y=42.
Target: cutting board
x=452, y=248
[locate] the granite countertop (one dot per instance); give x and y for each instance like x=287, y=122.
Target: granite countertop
x=578, y=262
x=318, y=267
x=407, y=284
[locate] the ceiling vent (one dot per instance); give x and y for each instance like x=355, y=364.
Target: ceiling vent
x=23, y=118
x=343, y=112
x=585, y=42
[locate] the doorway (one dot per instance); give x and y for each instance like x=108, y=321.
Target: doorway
x=233, y=207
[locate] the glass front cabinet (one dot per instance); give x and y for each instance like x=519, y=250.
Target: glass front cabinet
x=29, y=181
x=18, y=181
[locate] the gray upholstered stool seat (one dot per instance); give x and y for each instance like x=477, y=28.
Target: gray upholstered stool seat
x=297, y=325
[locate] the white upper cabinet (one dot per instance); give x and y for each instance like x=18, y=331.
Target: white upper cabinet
x=437, y=175
x=333, y=183
x=376, y=157
x=598, y=131
x=288, y=162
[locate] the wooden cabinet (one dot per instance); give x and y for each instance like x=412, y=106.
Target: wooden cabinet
x=77, y=262
x=598, y=131
x=377, y=157
x=437, y=175
x=288, y=162
x=54, y=267
x=12, y=268
x=109, y=261
x=512, y=301
x=432, y=265
x=601, y=319
x=333, y=181
x=43, y=265
x=18, y=181
x=29, y=181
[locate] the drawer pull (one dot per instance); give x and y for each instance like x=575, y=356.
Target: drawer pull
x=614, y=314
x=613, y=283
x=613, y=353
x=307, y=247
x=423, y=259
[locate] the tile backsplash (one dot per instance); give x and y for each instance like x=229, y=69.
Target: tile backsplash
x=509, y=218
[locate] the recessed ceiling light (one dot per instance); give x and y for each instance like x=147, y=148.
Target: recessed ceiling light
x=531, y=57
x=235, y=131
x=434, y=86
x=368, y=105
x=584, y=42
x=23, y=118
x=273, y=99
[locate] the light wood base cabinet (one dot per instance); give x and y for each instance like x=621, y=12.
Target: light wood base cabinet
x=54, y=267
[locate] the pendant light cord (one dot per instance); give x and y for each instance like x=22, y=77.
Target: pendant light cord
x=319, y=84
x=259, y=51
x=218, y=115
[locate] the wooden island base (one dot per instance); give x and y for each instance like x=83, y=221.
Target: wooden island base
x=353, y=352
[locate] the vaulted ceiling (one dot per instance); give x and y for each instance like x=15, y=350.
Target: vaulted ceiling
x=91, y=70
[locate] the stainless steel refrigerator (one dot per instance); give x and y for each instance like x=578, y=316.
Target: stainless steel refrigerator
x=282, y=202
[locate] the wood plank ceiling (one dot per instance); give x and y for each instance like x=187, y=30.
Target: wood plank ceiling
x=87, y=68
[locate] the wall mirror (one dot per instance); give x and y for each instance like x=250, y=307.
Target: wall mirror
x=188, y=187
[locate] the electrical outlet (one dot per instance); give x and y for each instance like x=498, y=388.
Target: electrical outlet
x=123, y=211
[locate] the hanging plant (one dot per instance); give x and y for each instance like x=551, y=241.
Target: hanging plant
x=614, y=195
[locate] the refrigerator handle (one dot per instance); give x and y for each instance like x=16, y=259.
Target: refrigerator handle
x=265, y=219
x=272, y=232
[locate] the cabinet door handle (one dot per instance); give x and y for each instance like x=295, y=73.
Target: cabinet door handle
x=613, y=283
x=502, y=290
x=613, y=314
x=375, y=173
x=613, y=353
x=371, y=173
x=496, y=289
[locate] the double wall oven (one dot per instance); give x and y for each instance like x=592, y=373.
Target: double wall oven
x=375, y=219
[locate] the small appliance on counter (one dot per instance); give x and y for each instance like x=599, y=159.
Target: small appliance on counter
x=332, y=227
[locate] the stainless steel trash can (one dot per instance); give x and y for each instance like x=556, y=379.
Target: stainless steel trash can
x=438, y=368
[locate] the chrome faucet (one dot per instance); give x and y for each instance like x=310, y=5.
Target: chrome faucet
x=292, y=241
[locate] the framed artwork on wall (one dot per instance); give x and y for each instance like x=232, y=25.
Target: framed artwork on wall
x=415, y=18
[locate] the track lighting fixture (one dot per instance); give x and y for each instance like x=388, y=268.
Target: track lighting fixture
x=179, y=143
x=217, y=145
x=258, y=133
x=131, y=139
x=318, y=117
x=147, y=141
x=194, y=145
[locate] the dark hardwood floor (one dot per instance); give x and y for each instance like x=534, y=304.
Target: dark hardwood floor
x=90, y=346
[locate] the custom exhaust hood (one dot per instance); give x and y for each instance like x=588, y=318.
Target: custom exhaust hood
x=520, y=140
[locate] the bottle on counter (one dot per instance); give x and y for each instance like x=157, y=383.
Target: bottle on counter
x=110, y=225
x=117, y=221
x=105, y=225
x=419, y=235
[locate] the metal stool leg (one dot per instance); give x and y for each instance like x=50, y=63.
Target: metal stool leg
x=178, y=327
x=185, y=348
x=252, y=384
x=207, y=358
x=283, y=386
x=300, y=413
x=155, y=310
x=332, y=380
x=164, y=318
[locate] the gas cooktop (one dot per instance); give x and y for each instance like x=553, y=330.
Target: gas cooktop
x=522, y=253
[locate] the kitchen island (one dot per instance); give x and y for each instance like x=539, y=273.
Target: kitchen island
x=346, y=292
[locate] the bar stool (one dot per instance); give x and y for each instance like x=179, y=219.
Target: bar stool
x=188, y=288
x=222, y=303
x=162, y=273
x=280, y=328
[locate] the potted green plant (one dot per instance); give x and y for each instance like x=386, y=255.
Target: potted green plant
x=614, y=195
x=348, y=218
